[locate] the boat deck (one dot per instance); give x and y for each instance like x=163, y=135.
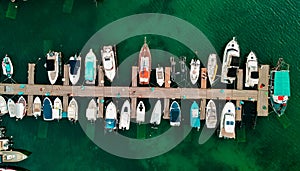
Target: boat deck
x=226, y=134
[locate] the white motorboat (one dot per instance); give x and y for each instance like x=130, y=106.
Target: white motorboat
x=140, y=112
x=3, y=106
x=108, y=61
x=212, y=68
x=7, y=67
x=57, y=109
x=11, y=108
x=194, y=72
x=251, y=70
x=37, y=107
x=74, y=68
x=52, y=65
x=91, y=111
x=73, y=110
x=125, y=116
x=111, y=117
x=156, y=114
x=160, y=77
x=227, y=123
x=211, y=114
x=90, y=67
x=20, y=108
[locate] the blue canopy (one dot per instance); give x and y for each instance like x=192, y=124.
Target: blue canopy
x=282, y=83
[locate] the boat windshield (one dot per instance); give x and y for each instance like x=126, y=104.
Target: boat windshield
x=175, y=113
x=254, y=75
x=74, y=66
x=50, y=65
x=235, y=61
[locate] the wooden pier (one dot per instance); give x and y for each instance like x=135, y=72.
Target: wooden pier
x=134, y=92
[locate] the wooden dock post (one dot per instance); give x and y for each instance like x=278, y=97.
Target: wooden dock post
x=100, y=107
x=134, y=84
x=166, y=109
x=65, y=103
x=66, y=80
x=202, y=109
x=239, y=86
x=100, y=76
x=203, y=77
x=263, y=87
x=167, y=77
x=29, y=105
x=31, y=68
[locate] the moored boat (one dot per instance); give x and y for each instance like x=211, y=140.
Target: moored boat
x=7, y=67
x=211, y=114
x=140, y=112
x=73, y=110
x=11, y=156
x=212, y=68
x=108, y=61
x=20, y=108
x=144, y=64
x=156, y=114
x=90, y=67
x=57, y=109
x=52, y=65
x=125, y=116
x=37, y=107
x=175, y=114
x=11, y=108
x=47, y=109
x=74, y=68
x=195, y=116
x=3, y=106
x=111, y=117
x=280, y=87
x=160, y=77
x=12, y=168
x=91, y=111
x=194, y=71
x=5, y=144
x=251, y=70
x=231, y=62
x=227, y=123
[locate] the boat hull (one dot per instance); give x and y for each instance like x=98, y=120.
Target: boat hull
x=156, y=114
x=212, y=68
x=91, y=111
x=53, y=60
x=90, y=67
x=175, y=114
x=140, y=112
x=111, y=117
x=227, y=124
x=194, y=72
x=47, y=109
x=195, y=116
x=125, y=116
x=108, y=61
x=144, y=64
x=37, y=107
x=251, y=70
x=73, y=110
x=211, y=115
x=74, y=69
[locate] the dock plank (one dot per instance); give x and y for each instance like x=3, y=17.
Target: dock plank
x=31, y=69
x=134, y=76
x=239, y=79
x=29, y=105
x=262, y=103
x=100, y=76
x=263, y=74
x=166, y=109
x=66, y=75
x=167, y=77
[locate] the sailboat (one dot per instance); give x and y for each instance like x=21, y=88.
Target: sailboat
x=47, y=109
x=90, y=67
x=227, y=124
x=11, y=156
x=3, y=106
x=231, y=62
x=156, y=114
x=73, y=110
x=140, y=112
x=52, y=65
x=108, y=60
x=20, y=108
x=91, y=111
x=280, y=87
x=251, y=70
x=211, y=114
x=175, y=114
x=195, y=116
x=212, y=68
x=11, y=108
x=7, y=67
x=111, y=117
x=125, y=116
x=57, y=109
x=160, y=78
x=74, y=68
x=37, y=107
x=194, y=72
x=144, y=64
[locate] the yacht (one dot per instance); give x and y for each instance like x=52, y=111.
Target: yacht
x=108, y=60
x=227, y=123
x=74, y=68
x=194, y=72
x=144, y=64
x=90, y=67
x=125, y=116
x=7, y=67
x=231, y=62
x=251, y=70
x=52, y=65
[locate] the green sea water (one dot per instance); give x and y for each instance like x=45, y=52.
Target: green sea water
x=270, y=28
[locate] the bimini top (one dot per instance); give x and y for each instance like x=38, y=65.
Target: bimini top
x=282, y=83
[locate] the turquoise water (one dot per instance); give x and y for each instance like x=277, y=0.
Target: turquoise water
x=270, y=28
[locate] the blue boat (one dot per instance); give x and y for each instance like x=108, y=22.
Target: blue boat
x=175, y=114
x=280, y=87
x=47, y=109
x=111, y=117
x=195, y=116
x=90, y=67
